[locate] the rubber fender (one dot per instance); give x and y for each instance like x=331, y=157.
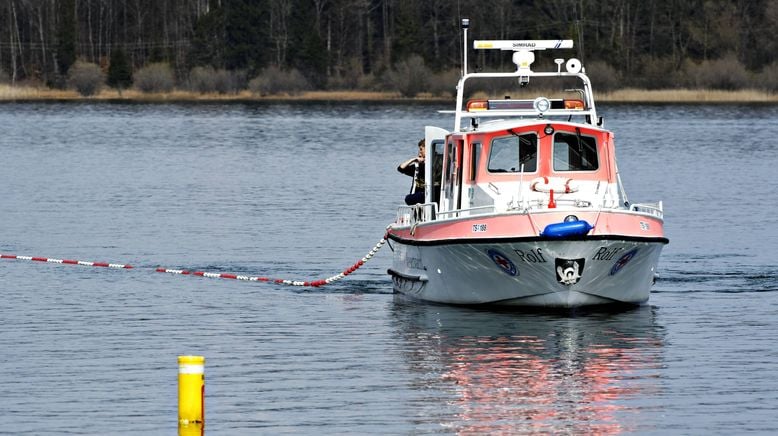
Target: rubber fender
x=565, y=229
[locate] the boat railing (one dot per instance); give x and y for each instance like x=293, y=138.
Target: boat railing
x=478, y=210
x=654, y=209
x=418, y=213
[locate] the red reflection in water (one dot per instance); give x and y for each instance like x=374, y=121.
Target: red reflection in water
x=506, y=385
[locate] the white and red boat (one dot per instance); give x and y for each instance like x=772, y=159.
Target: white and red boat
x=525, y=206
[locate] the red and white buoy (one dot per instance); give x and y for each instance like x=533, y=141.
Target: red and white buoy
x=210, y=275
x=67, y=261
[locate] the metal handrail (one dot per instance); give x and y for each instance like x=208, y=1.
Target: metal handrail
x=590, y=110
x=480, y=209
x=412, y=215
x=654, y=209
x=418, y=213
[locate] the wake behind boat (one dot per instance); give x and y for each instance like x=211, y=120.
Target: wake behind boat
x=524, y=205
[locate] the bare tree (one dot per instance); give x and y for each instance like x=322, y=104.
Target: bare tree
x=280, y=11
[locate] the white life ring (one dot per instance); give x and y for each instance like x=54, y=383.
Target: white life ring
x=542, y=184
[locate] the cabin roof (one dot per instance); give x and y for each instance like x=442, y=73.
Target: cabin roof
x=489, y=126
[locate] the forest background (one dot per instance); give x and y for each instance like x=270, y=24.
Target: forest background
x=408, y=47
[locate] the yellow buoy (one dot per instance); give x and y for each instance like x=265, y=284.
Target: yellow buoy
x=191, y=430
x=191, y=390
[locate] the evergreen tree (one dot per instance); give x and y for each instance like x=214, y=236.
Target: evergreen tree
x=245, y=37
x=208, y=40
x=308, y=50
x=119, y=71
x=409, y=34
x=66, y=36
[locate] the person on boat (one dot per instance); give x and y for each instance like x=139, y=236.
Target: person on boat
x=414, y=167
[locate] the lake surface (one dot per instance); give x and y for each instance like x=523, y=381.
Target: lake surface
x=302, y=192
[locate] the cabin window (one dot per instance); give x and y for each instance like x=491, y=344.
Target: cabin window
x=475, y=158
x=509, y=153
x=450, y=170
x=438, y=148
x=575, y=152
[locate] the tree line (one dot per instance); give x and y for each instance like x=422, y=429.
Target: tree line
x=337, y=43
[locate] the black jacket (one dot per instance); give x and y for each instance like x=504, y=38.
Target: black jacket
x=416, y=171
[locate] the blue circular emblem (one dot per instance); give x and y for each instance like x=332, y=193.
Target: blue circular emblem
x=503, y=262
x=623, y=260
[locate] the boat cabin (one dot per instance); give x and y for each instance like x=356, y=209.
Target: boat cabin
x=522, y=154
x=530, y=166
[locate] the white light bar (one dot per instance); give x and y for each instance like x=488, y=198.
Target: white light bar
x=523, y=44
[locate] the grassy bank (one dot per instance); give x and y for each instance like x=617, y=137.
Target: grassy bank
x=685, y=96
x=25, y=93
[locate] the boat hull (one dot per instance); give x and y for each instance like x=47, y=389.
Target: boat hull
x=532, y=272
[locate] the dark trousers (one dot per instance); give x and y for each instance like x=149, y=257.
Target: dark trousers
x=415, y=198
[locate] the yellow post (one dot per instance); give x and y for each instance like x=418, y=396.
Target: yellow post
x=191, y=390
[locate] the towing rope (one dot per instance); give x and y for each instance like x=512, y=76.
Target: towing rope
x=313, y=283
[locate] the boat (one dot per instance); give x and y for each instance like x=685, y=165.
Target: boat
x=525, y=206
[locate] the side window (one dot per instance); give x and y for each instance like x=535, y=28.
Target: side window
x=450, y=169
x=437, y=168
x=510, y=152
x=574, y=152
x=475, y=158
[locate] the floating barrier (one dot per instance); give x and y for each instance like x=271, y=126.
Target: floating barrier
x=211, y=275
x=66, y=261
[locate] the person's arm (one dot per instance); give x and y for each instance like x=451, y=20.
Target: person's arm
x=407, y=167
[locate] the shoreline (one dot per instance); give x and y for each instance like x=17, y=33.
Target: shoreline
x=667, y=96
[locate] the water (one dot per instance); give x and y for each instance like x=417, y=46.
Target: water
x=301, y=192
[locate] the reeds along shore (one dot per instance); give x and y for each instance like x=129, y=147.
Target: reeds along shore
x=684, y=96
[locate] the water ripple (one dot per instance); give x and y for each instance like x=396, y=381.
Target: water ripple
x=243, y=189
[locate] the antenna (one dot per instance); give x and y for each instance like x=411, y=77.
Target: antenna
x=465, y=26
x=559, y=63
x=580, y=41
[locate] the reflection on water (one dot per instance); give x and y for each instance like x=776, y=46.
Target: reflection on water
x=508, y=373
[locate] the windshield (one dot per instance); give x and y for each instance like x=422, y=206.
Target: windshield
x=575, y=152
x=508, y=153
